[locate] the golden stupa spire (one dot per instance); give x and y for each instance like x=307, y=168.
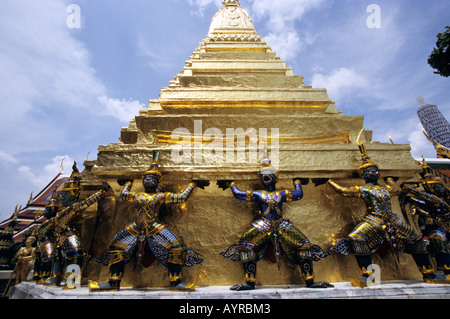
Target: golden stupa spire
x=230, y=2
x=231, y=18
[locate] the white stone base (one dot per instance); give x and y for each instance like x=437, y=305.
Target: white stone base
x=342, y=290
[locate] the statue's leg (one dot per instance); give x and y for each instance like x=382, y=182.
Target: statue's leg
x=45, y=271
x=121, y=249
x=250, y=277
x=440, y=250
x=116, y=274
x=73, y=255
x=306, y=267
x=56, y=273
x=423, y=262
x=443, y=261
x=46, y=254
x=302, y=252
x=175, y=260
x=411, y=241
x=364, y=261
x=429, y=276
x=250, y=244
x=37, y=267
x=364, y=240
x=169, y=250
x=116, y=271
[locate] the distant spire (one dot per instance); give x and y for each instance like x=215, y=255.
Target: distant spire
x=420, y=100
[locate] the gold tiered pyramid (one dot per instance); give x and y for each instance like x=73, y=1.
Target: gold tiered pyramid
x=234, y=100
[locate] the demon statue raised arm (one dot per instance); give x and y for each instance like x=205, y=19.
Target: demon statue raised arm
x=379, y=222
x=147, y=230
x=271, y=227
x=61, y=231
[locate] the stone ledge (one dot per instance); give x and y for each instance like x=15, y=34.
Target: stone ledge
x=411, y=289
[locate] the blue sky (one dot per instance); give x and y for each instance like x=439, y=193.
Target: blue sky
x=64, y=91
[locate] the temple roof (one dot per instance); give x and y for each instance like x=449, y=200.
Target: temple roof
x=31, y=216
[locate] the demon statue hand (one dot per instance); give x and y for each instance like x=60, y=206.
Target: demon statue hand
x=146, y=233
x=272, y=228
x=379, y=222
x=59, y=237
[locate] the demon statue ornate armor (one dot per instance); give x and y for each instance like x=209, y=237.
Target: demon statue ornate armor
x=271, y=228
x=378, y=223
x=146, y=230
x=432, y=208
x=45, y=243
x=59, y=236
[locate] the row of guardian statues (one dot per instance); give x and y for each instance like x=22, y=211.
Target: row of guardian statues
x=59, y=244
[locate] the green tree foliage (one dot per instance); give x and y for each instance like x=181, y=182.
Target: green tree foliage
x=439, y=59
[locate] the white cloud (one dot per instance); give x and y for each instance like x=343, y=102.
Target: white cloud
x=282, y=14
x=7, y=158
x=286, y=45
x=50, y=92
x=45, y=70
x=123, y=110
x=340, y=83
x=201, y=5
x=60, y=163
x=47, y=73
x=42, y=59
x=281, y=17
x=419, y=144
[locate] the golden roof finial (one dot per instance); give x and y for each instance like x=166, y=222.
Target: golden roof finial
x=31, y=198
x=420, y=99
x=390, y=139
x=61, y=165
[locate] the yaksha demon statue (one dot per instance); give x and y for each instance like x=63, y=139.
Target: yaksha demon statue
x=433, y=211
x=380, y=222
x=62, y=232
x=272, y=228
x=146, y=230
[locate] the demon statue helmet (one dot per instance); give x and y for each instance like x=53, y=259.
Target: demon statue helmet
x=52, y=207
x=368, y=170
x=268, y=173
x=72, y=188
x=432, y=183
x=152, y=176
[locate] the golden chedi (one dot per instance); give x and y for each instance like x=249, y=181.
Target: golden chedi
x=234, y=100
